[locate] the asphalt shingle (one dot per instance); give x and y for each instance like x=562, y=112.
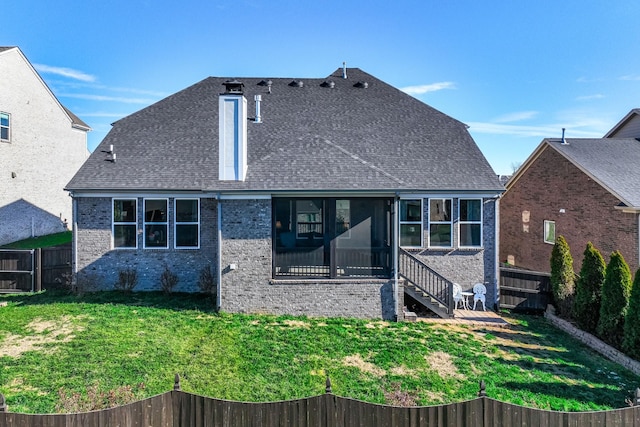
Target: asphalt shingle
x=313, y=137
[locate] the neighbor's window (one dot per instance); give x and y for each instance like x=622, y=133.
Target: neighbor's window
x=411, y=223
x=125, y=223
x=187, y=223
x=4, y=127
x=155, y=223
x=550, y=232
x=309, y=219
x=440, y=223
x=470, y=223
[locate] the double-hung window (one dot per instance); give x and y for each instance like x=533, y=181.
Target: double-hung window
x=155, y=223
x=440, y=223
x=125, y=223
x=4, y=127
x=411, y=223
x=187, y=223
x=471, y=223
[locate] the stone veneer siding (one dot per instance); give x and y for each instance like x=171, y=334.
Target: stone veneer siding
x=551, y=184
x=249, y=288
x=466, y=266
x=97, y=264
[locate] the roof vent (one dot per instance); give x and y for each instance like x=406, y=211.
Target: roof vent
x=296, y=83
x=362, y=85
x=233, y=87
x=258, y=99
x=329, y=84
x=564, y=141
x=344, y=70
x=266, y=83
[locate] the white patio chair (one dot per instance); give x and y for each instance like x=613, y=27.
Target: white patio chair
x=457, y=295
x=479, y=294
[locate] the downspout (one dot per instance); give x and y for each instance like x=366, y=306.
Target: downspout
x=219, y=269
x=496, y=260
x=74, y=241
x=396, y=243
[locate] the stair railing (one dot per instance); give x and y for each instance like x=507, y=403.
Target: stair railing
x=424, y=278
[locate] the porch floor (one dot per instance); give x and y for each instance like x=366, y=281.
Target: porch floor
x=470, y=317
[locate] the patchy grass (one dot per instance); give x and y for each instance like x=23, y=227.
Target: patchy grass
x=57, y=349
x=56, y=239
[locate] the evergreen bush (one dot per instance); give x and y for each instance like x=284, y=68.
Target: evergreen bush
x=562, y=276
x=631, y=340
x=586, y=303
x=615, y=299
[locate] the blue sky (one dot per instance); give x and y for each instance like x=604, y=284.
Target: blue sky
x=514, y=71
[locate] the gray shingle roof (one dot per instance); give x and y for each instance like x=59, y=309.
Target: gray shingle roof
x=312, y=138
x=612, y=162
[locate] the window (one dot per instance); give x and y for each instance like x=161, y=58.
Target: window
x=309, y=219
x=343, y=218
x=187, y=223
x=550, y=232
x=440, y=223
x=411, y=223
x=125, y=222
x=4, y=127
x=155, y=223
x=470, y=223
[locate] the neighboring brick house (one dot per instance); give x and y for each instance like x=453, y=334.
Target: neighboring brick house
x=587, y=190
x=298, y=208
x=42, y=144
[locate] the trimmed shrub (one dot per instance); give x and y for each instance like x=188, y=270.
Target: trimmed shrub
x=207, y=283
x=631, y=341
x=127, y=280
x=168, y=280
x=615, y=299
x=562, y=276
x=586, y=303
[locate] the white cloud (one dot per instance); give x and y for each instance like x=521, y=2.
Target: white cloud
x=516, y=117
x=632, y=77
x=590, y=97
x=108, y=98
x=65, y=72
x=422, y=89
x=541, y=131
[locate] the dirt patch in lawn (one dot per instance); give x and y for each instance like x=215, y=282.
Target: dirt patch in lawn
x=43, y=332
x=357, y=361
x=442, y=363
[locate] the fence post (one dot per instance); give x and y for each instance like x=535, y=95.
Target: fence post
x=38, y=268
x=3, y=403
x=483, y=389
x=327, y=388
x=176, y=383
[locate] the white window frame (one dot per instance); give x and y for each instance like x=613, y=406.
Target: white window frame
x=419, y=223
x=176, y=223
x=145, y=223
x=8, y=127
x=476, y=222
x=114, y=224
x=547, y=224
x=450, y=223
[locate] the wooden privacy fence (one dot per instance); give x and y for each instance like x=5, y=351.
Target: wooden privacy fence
x=180, y=409
x=524, y=289
x=31, y=270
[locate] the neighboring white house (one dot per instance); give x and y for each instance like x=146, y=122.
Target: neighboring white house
x=42, y=145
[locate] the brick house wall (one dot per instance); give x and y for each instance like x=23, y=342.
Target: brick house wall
x=550, y=184
x=466, y=266
x=97, y=265
x=249, y=287
x=42, y=155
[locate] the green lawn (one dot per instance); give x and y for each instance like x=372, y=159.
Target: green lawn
x=41, y=242
x=54, y=345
